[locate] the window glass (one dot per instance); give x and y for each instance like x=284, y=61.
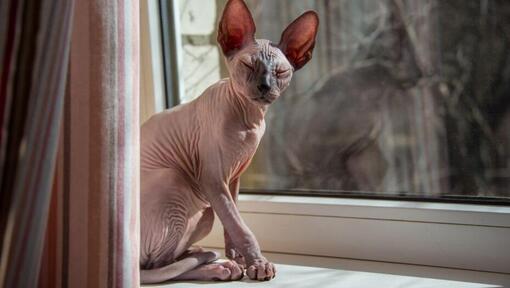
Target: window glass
x=401, y=98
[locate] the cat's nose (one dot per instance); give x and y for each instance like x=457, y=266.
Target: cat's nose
x=264, y=86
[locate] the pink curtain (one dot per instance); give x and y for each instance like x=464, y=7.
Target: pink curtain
x=85, y=193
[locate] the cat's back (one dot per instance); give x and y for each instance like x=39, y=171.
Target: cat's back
x=167, y=122
x=171, y=137
x=186, y=116
x=167, y=132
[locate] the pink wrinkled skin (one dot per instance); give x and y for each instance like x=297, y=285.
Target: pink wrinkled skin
x=193, y=155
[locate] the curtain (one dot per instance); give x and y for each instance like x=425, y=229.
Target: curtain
x=34, y=46
x=86, y=178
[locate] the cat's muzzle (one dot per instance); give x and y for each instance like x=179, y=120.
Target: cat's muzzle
x=266, y=98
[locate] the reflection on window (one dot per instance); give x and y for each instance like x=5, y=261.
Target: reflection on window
x=400, y=98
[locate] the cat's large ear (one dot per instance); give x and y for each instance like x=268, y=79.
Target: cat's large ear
x=298, y=39
x=236, y=28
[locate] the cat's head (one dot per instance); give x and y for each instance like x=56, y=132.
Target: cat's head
x=259, y=69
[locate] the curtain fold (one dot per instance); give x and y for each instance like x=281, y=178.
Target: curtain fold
x=96, y=210
x=69, y=146
x=34, y=50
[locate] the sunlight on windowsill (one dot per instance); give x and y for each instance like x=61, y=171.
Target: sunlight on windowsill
x=302, y=276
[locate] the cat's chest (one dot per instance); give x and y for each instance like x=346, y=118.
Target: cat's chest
x=242, y=142
x=246, y=141
x=242, y=151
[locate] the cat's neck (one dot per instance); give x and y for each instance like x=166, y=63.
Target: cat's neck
x=243, y=108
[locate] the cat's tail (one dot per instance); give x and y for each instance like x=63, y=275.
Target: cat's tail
x=177, y=268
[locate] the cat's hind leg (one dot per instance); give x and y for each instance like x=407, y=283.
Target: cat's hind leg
x=221, y=271
x=178, y=268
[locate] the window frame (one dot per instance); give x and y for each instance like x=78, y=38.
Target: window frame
x=152, y=83
x=172, y=54
x=461, y=199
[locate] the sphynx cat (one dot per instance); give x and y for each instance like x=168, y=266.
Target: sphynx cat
x=193, y=155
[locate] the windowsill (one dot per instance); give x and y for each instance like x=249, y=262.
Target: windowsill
x=357, y=236
x=304, y=271
x=457, y=236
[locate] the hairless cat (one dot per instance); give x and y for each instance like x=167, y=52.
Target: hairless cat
x=193, y=155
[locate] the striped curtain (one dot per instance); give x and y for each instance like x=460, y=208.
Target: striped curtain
x=34, y=50
x=86, y=191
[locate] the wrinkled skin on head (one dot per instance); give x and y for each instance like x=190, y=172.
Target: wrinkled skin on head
x=260, y=71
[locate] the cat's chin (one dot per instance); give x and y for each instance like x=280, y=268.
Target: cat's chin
x=262, y=101
x=267, y=100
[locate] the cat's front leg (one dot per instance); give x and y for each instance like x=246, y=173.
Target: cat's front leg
x=231, y=252
x=218, y=194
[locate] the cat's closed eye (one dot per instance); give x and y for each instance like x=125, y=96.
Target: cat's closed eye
x=248, y=65
x=282, y=73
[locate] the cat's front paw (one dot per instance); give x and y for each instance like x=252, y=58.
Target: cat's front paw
x=234, y=255
x=261, y=270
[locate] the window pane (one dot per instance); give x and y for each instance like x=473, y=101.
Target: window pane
x=400, y=98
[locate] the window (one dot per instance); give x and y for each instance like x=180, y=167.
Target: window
x=402, y=99
x=438, y=135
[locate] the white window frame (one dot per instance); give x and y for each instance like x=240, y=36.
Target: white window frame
x=152, y=83
x=461, y=236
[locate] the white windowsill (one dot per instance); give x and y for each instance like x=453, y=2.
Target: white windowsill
x=436, y=240
x=456, y=236
x=306, y=271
